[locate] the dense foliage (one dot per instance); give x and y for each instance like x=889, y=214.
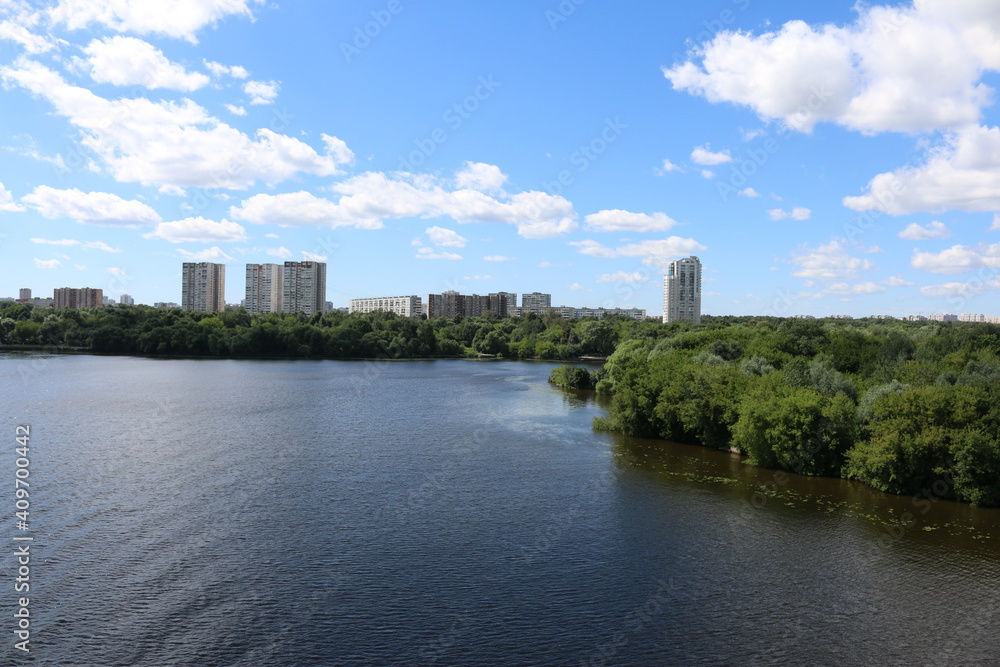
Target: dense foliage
x=910, y=408
x=151, y=331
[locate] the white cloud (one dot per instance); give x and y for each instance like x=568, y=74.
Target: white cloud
x=623, y=221
x=703, y=156
x=749, y=192
x=261, y=92
x=198, y=230
x=129, y=61
x=896, y=281
x=47, y=263
x=959, y=174
x=271, y=236
x=368, y=199
x=623, y=277
x=966, y=290
x=657, y=253
x=668, y=167
x=855, y=289
x=798, y=213
x=168, y=143
x=312, y=257
x=220, y=70
x=213, y=254
x=115, y=271
x=236, y=110
x=7, y=201
x=934, y=230
x=282, y=252
x=180, y=19
x=707, y=174
x=545, y=264
x=499, y=258
x=62, y=242
x=828, y=262
x=440, y=236
x=96, y=208
x=576, y=287
x=906, y=69
x=957, y=259
x=430, y=253
x=17, y=30
x=481, y=177
x=478, y=277
x=100, y=245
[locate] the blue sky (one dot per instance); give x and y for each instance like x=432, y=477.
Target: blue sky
x=820, y=158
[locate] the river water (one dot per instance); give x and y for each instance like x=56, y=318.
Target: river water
x=207, y=512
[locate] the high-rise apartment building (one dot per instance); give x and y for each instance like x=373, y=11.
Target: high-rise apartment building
x=682, y=291
x=304, y=287
x=203, y=287
x=265, y=292
x=126, y=300
x=453, y=304
x=536, y=303
x=25, y=293
x=71, y=297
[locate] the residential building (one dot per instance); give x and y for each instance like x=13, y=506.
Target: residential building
x=682, y=291
x=265, y=291
x=536, y=303
x=453, y=304
x=25, y=294
x=108, y=301
x=304, y=287
x=203, y=287
x=72, y=297
x=968, y=317
x=126, y=300
x=406, y=306
x=580, y=313
x=166, y=304
x=943, y=317
x=40, y=303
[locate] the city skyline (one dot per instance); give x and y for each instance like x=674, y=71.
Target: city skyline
x=631, y=136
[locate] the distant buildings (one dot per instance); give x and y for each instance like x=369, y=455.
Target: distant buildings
x=264, y=288
x=406, y=306
x=203, y=287
x=943, y=317
x=682, y=291
x=304, y=287
x=72, y=297
x=25, y=294
x=536, y=303
x=453, y=304
x=126, y=300
x=599, y=313
x=166, y=304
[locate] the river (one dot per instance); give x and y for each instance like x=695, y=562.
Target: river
x=220, y=512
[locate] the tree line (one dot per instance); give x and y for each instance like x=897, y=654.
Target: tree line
x=174, y=332
x=904, y=407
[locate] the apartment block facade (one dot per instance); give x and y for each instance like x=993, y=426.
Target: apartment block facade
x=682, y=291
x=304, y=287
x=453, y=304
x=72, y=297
x=203, y=287
x=405, y=306
x=536, y=303
x=264, y=288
